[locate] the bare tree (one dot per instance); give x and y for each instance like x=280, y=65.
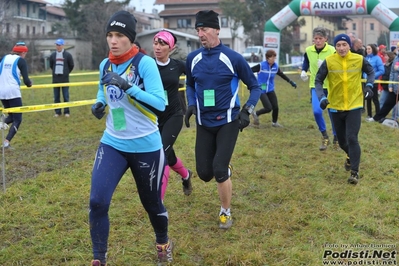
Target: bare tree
x=6, y=43
x=234, y=10
x=89, y=18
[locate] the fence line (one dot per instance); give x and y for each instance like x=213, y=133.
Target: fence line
x=44, y=107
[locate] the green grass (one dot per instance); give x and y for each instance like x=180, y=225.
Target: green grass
x=289, y=199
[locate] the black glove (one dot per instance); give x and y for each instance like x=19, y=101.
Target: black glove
x=243, y=117
x=293, y=84
x=111, y=78
x=368, y=93
x=191, y=110
x=29, y=84
x=323, y=103
x=98, y=110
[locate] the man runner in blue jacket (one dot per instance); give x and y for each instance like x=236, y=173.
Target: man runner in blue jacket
x=213, y=73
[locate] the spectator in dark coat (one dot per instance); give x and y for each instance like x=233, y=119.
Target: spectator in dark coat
x=61, y=64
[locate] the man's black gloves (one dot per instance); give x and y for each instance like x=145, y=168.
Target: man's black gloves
x=293, y=84
x=191, y=110
x=323, y=103
x=98, y=110
x=112, y=78
x=368, y=92
x=243, y=117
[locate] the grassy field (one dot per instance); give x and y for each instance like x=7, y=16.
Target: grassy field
x=291, y=202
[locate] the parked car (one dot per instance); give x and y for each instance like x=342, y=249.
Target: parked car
x=254, y=54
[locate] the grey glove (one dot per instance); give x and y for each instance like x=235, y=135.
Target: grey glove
x=98, y=110
x=112, y=78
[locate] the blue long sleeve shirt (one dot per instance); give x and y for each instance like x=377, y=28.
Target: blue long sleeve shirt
x=212, y=84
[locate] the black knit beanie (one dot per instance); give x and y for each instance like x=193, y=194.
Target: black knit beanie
x=342, y=37
x=207, y=18
x=123, y=22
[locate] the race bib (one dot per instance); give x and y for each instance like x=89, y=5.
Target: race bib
x=118, y=116
x=264, y=87
x=209, y=98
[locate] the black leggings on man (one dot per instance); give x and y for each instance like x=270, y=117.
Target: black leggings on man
x=213, y=150
x=347, y=126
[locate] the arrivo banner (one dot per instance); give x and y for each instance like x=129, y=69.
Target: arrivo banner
x=299, y=8
x=333, y=7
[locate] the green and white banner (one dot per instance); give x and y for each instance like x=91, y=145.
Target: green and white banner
x=328, y=8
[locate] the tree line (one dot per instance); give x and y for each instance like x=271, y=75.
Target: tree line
x=87, y=19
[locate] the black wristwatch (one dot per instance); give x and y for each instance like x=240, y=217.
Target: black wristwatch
x=249, y=108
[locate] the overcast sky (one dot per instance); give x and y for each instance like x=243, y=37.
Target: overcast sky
x=139, y=4
x=148, y=4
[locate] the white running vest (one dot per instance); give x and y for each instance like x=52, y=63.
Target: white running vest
x=10, y=78
x=138, y=119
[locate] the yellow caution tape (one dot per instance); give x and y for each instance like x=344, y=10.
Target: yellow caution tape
x=52, y=85
x=44, y=107
x=72, y=74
